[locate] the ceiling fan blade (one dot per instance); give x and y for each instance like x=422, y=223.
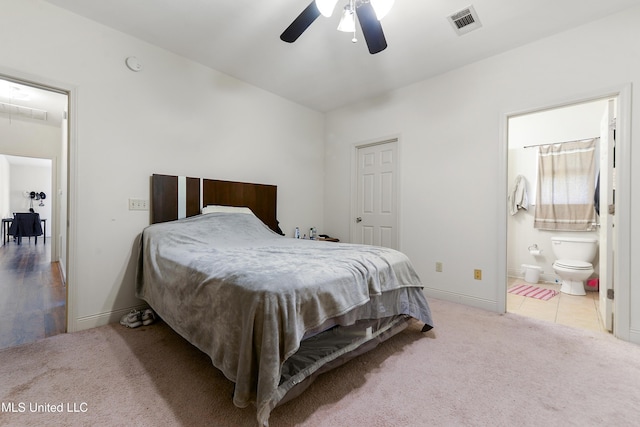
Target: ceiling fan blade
x=301, y=23
x=371, y=28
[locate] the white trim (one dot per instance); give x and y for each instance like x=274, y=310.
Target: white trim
x=72, y=212
x=55, y=210
x=399, y=182
x=102, y=319
x=622, y=268
x=482, y=303
x=503, y=190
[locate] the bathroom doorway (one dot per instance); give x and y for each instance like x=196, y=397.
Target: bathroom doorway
x=530, y=249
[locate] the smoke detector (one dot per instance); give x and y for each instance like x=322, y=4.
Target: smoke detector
x=465, y=20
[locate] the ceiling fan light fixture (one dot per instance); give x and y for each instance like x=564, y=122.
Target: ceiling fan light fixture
x=326, y=6
x=347, y=22
x=361, y=10
x=381, y=7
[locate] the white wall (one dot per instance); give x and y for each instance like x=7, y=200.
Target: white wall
x=562, y=124
x=5, y=182
x=173, y=117
x=27, y=138
x=450, y=130
x=31, y=178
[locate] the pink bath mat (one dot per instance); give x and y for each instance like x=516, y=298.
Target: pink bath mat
x=533, y=292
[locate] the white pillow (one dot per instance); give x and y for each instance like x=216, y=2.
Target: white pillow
x=227, y=209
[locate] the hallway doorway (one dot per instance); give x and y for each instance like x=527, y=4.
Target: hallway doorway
x=33, y=128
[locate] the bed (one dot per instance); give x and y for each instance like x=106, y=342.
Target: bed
x=272, y=312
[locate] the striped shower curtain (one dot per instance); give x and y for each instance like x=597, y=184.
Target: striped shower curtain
x=566, y=185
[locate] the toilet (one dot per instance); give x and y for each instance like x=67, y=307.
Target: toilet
x=573, y=262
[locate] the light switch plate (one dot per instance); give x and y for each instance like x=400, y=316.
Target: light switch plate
x=138, y=205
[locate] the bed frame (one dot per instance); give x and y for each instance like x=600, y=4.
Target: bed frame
x=175, y=197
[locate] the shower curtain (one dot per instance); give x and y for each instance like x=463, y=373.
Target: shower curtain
x=566, y=180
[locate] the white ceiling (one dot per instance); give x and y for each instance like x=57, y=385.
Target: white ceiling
x=28, y=161
x=22, y=102
x=323, y=69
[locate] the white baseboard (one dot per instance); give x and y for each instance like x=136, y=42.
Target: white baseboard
x=544, y=277
x=634, y=336
x=462, y=299
x=93, y=321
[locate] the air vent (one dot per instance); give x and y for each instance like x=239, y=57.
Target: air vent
x=19, y=110
x=465, y=20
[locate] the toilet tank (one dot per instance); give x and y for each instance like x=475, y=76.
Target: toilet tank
x=575, y=248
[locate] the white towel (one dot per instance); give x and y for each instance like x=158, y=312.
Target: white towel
x=518, y=198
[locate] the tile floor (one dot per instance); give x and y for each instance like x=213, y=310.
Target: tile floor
x=570, y=310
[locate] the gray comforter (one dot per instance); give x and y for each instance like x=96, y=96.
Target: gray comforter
x=247, y=296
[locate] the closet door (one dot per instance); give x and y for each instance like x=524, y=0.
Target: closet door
x=376, y=218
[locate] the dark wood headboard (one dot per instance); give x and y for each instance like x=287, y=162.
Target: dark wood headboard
x=174, y=197
x=165, y=196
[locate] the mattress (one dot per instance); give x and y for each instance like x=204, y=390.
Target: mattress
x=249, y=297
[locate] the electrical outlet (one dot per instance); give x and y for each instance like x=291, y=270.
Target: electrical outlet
x=477, y=274
x=138, y=205
x=439, y=267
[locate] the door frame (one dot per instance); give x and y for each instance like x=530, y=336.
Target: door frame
x=621, y=247
x=606, y=230
x=70, y=266
x=353, y=210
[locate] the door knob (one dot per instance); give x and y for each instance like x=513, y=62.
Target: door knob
x=359, y=219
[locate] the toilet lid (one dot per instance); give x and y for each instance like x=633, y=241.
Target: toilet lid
x=573, y=264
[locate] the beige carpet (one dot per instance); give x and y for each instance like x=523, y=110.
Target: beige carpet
x=475, y=368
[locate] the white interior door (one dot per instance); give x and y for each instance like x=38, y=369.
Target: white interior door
x=607, y=212
x=376, y=195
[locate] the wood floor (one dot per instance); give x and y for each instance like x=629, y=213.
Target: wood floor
x=32, y=293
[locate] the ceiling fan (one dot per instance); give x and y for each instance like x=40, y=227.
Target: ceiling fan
x=369, y=13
